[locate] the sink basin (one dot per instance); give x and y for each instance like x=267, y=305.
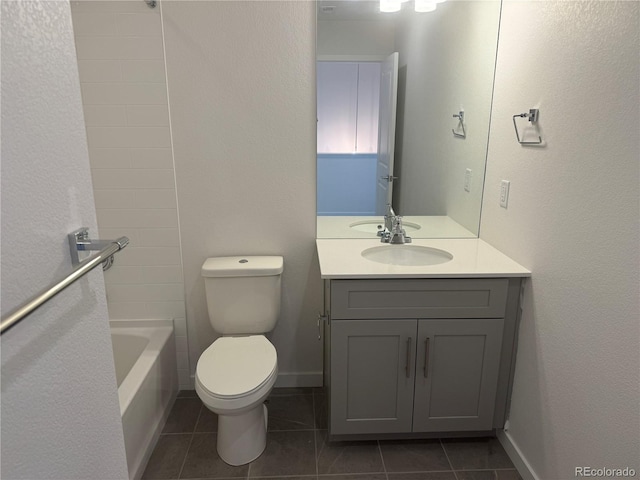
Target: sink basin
x=408, y=255
x=371, y=226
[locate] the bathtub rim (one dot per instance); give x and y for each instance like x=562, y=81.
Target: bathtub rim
x=158, y=332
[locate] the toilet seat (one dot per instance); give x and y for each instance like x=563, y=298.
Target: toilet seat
x=235, y=367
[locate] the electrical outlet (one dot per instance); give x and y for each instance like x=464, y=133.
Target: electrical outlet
x=504, y=193
x=467, y=180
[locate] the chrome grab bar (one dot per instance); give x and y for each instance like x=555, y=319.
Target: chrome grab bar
x=45, y=295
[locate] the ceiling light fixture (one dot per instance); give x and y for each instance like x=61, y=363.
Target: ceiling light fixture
x=423, y=6
x=389, y=6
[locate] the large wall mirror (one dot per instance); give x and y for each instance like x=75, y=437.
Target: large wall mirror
x=404, y=105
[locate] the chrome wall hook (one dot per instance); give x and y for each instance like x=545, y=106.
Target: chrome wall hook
x=532, y=116
x=460, y=117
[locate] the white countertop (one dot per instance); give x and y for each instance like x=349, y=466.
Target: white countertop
x=472, y=258
x=431, y=226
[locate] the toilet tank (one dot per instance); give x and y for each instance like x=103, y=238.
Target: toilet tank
x=243, y=293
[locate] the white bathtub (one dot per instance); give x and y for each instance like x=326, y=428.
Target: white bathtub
x=146, y=370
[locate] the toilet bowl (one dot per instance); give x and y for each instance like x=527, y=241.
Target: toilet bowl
x=233, y=378
x=236, y=373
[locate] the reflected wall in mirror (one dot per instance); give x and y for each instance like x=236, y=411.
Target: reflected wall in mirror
x=435, y=161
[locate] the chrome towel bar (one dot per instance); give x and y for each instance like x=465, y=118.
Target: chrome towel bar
x=45, y=295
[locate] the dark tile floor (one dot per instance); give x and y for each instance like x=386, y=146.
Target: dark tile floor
x=297, y=448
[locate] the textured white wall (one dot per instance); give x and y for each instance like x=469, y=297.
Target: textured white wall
x=573, y=219
x=60, y=411
x=123, y=79
x=242, y=96
x=447, y=60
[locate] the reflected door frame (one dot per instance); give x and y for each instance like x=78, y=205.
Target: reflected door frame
x=386, y=131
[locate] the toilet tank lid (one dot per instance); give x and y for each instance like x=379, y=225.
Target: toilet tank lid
x=243, y=266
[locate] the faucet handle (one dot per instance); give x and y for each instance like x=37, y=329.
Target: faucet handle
x=398, y=235
x=397, y=224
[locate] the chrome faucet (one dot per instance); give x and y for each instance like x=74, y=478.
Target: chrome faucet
x=389, y=218
x=388, y=224
x=393, y=232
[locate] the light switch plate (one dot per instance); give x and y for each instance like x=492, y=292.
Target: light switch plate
x=467, y=180
x=504, y=193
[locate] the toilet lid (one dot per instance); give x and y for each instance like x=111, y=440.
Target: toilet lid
x=235, y=366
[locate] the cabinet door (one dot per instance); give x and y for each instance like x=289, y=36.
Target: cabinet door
x=372, y=375
x=456, y=374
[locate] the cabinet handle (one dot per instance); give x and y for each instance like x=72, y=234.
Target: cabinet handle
x=321, y=318
x=408, y=365
x=426, y=358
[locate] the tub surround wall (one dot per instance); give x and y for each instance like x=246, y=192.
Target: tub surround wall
x=572, y=219
x=60, y=415
x=122, y=74
x=242, y=109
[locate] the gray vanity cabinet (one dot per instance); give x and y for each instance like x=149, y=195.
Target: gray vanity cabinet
x=419, y=356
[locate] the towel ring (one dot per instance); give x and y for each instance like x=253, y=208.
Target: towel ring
x=532, y=116
x=460, y=117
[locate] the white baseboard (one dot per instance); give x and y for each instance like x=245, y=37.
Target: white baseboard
x=516, y=456
x=299, y=379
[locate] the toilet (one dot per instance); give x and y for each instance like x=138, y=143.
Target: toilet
x=236, y=373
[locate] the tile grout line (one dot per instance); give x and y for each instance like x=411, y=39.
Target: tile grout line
x=195, y=426
x=384, y=466
x=184, y=460
x=315, y=433
x=455, y=475
x=413, y=472
x=495, y=470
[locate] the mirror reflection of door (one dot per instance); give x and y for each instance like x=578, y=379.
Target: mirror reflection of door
x=387, y=131
x=352, y=135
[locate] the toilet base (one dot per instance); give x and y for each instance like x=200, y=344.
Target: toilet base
x=242, y=438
